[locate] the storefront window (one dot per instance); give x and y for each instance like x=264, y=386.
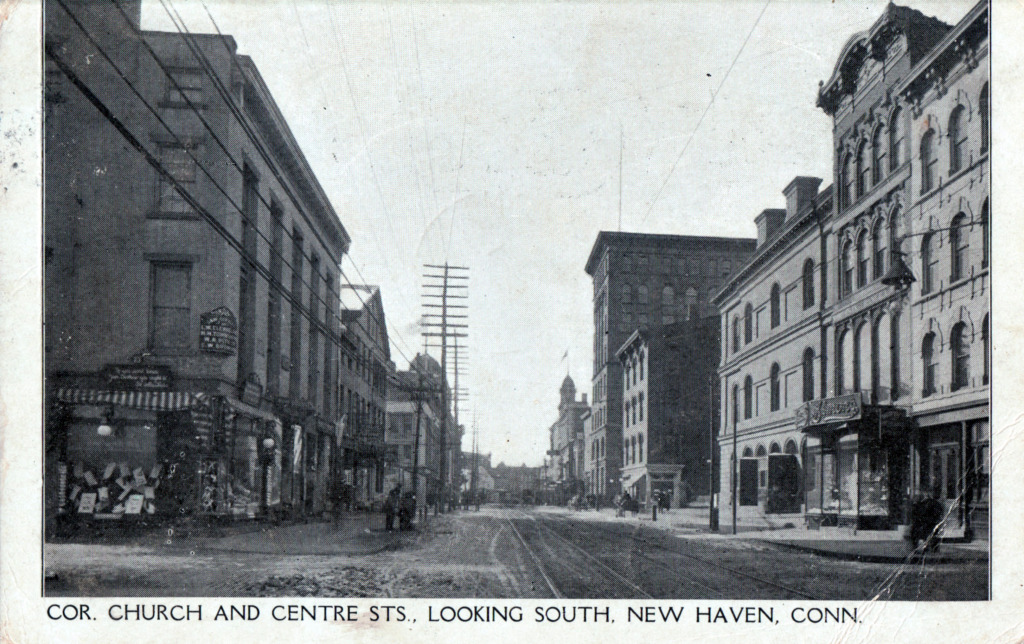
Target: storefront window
x=830, y=483
x=811, y=474
x=874, y=482
x=847, y=475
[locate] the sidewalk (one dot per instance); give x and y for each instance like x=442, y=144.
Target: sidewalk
x=788, y=531
x=353, y=533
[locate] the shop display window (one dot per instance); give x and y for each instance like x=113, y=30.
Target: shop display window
x=874, y=482
x=812, y=474
x=847, y=477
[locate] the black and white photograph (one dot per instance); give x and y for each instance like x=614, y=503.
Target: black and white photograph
x=516, y=301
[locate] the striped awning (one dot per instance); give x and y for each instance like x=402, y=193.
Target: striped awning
x=145, y=400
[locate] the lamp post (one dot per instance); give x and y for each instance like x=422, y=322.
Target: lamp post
x=267, y=458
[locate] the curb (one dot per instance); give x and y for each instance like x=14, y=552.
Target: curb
x=873, y=558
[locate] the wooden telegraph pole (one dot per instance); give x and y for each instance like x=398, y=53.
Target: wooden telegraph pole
x=445, y=288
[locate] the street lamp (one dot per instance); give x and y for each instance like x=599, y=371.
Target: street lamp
x=267, y=457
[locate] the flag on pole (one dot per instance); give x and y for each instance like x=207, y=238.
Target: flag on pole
x=565, y=355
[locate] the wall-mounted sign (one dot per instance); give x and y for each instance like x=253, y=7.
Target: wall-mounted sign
x=218, y=332
x=138, y=377
x=829, y=410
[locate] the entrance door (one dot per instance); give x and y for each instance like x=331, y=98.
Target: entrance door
x=748, y=481
x=783, y=484
x=945, y=481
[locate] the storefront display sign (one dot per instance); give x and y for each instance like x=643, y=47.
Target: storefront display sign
x=88, y=503
x=136, y=377
x=134, y=504
x=218, y=332
x=829, y=410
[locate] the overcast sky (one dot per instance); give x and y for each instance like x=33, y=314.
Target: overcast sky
x=488, y=135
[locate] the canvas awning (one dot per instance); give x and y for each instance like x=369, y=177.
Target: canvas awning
x=145, y=400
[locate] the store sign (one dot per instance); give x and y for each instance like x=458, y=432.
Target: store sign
x=138, y=377
x=218, y=332
x=829, y=410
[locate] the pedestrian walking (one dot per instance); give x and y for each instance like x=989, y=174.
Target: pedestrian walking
x=405, y=511
x=391, y=506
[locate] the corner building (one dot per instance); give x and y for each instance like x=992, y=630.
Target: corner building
x=191, y=347
x=644, y=281
x=890, y=403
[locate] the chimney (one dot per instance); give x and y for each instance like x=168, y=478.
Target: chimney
x=584, y=400
x=768, y=223
x=799, y=193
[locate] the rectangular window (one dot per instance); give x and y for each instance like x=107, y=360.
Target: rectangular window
x=179, y=163
x=170, y=306
x=184, y=85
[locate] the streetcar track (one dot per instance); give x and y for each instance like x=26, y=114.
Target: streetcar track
x=536, y=560
x=706, y=562
x=593, y=559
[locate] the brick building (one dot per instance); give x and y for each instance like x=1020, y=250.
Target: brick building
x=670, y=401
x=192, y=335
x=644, y=281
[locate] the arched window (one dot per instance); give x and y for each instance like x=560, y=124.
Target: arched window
x=808, y=283
x=958, y=247
x=862, y=259
x=928, y=364
x=881, y=355
x=776, y=389
x=927, y=263
x=846, y=269
x=877, y=156
x=691, y=303
x=961, y=349
x=761, y=451
x=748, y=324
x=846, y=361
x=640, y=407
x=862, y=168
x=736, y=334
x=808, y=374
x=984, y=235
x=640, y=448
x=894, y=356
x=878, y=247
x=928, y=161
x=668, y=298
x=748, y=397
x=985, y=350
x=957, y=139
x=896, y=139
x=735, y=403
x=641, y=294
x=748, y=453
x=776, y=306
x=627, y=294
x=790, y=447
x=862, y=352
x=641, y=364
x=983, y=112
x=632, y=449
x=774, y=448
x=846, y=183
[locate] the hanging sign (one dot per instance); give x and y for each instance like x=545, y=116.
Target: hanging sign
x=218, y=332
x=137, y=377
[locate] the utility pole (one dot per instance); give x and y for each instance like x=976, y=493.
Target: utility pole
x=444, y=282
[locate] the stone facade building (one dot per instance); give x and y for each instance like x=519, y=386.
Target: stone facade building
x=867, y=396
x=644, y=281
x=670, y=403
x=566, y=453
x=192, y=278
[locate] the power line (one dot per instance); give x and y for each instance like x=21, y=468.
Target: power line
x=706, y=110
x=190, y=199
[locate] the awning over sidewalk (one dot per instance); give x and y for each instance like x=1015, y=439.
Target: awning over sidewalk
x=145, y=400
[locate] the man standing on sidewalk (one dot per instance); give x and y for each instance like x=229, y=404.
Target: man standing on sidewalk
x=391, y=507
